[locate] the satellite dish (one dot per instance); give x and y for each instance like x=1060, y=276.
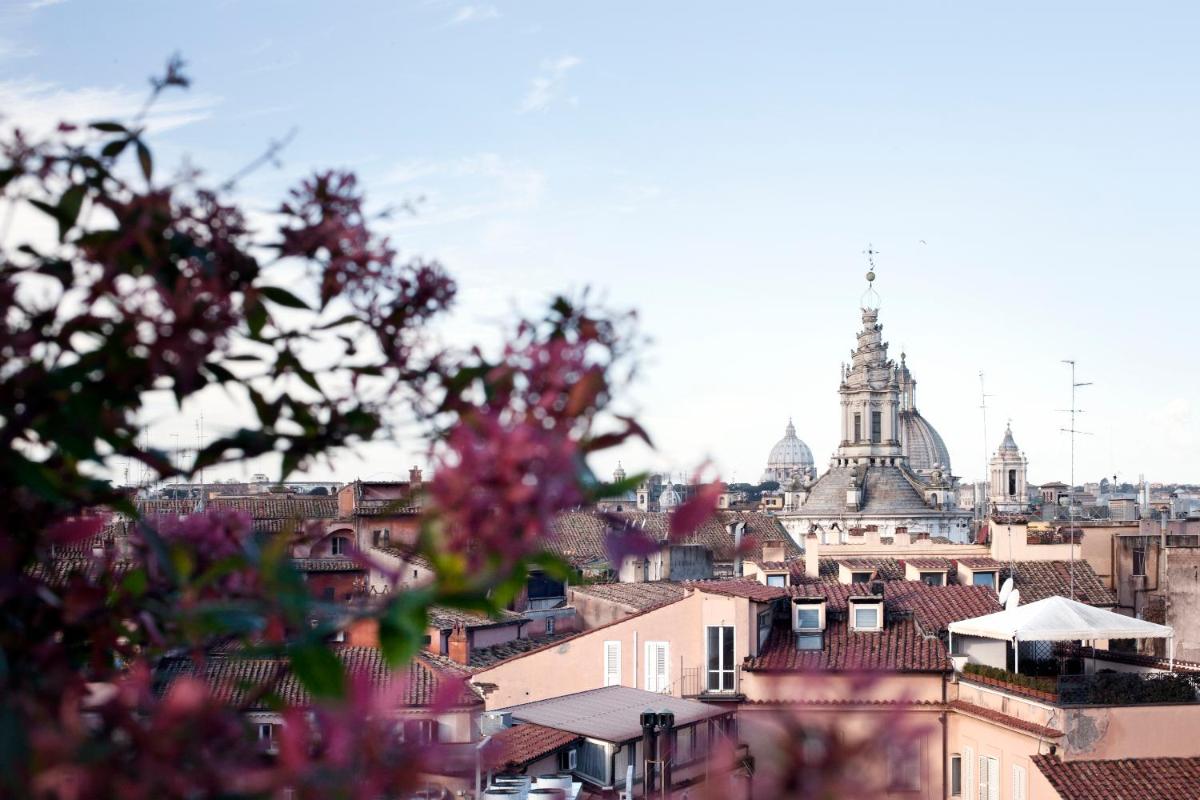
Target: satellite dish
x=1005, y=589
x=1014, y=600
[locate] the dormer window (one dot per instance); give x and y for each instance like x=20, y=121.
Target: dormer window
x=777, y=580
x=808, y=615
x=860, y=577
x=339, y=546
x=810, y=641
x=984, y=579
x=866, y=613
x=933, y=578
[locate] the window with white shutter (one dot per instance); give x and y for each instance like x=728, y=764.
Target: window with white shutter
x=612, y=663
x=968, y=766
x=1018, y=789
x=989, y=778
x=658, y=672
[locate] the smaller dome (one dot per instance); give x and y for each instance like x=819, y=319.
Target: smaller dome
x=669, y=498
x=789, y=452
x=922, y=443
x=618, y=473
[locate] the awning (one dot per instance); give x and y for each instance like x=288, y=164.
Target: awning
x=1057, y=619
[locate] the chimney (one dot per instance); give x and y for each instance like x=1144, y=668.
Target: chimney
x=901, y=539
x=812, y=562
x=414, y=477
x=458, y=648
x=773, y=551
x=736, y=529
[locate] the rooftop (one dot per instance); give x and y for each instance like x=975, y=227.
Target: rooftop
x=611, y=714
x=1122, y=779
x=445, y=618
x=521, y=744
x=637, y=596
x=899, y=647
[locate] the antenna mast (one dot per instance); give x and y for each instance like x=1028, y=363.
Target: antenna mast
x=1073, y=410
x=982, y=496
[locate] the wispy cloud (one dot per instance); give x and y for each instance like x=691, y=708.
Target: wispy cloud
x=468, y=188
x=38, y=106
x=550, y=85
x=474, y=13
x=36, y=4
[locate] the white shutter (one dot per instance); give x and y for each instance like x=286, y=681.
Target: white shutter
x=1018, y=792
x=983, y=778
x=968, y=767
x=657, y=667
x=993, y=779
x=612, y=663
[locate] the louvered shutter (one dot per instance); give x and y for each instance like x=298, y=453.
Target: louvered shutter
x=612, y=663
x=968, y=769
x=657, y=667
x=1018, y=792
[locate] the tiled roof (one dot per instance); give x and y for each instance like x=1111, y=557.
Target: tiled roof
x=271, y=513
x=935, y=607
x=1038, y=580
x=446, y=618
x=330, y=564
x=483, y=657
x=978, y=562
x=236, y=677
x=740, y=587
x=1008, y=720
x=579, y=536
x=888, y=492
x=929, y=563
x=1122, y=779
x=899, y=647
x=888, y=569
x=57, y=572
x=638, y=596
x=522, y=744
x=414, y=559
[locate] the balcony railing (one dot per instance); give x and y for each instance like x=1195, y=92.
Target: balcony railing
x=699, y=682
x=1126, y=688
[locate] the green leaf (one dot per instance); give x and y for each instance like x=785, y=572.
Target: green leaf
x=143, y=154
x=282, y=297
x=256, y=316
x=68, y=209
x=402, y=626
x=114, y=148
x=318, y=669
x=110, y=127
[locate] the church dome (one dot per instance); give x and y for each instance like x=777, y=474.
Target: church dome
x=922, y=443
x=669, y=498
x=789, y=453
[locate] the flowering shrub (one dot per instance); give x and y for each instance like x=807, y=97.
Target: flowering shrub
x=152, y=285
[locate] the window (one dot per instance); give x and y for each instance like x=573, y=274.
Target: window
x=858, y=427
x=876, y=427
x=340, y=546
x=549, y=626
x=860, y=577
x=808, y=618
x=933, y=578
x=777, y=580
x=684, y=749
x=968, y=761
x=568, y=760
x=658, y=667
x=720, y=658
x=810, y=641
x=593, y=761
x=955, y=775
x=866, y=617
x=612, y=663
x=381, y=537
x=1139, y=561
x=984, y=579
x=989, y=778
x=1018, y=783
x=764, y=626
x=904, y=765
x=1012, y=483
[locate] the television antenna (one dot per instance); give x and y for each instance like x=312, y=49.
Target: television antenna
x=1074, y=410
x=981, y=501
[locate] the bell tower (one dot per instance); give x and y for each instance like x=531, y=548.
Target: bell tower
x=870, y=392
x=1007, y=488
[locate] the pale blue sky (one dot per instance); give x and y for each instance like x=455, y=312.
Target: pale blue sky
x=720, y=167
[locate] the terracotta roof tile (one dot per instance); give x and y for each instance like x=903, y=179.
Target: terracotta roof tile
x=638, y=596
x=897, y=648
x=1038, y=580
x=978, y=562
x=887, y=569
x=235, y=677
x=445, y=618
x=579, y=536
x=329, y=564
x=1008, y=720
x=1122, y=779
x=484, y=657
x=930, y=563
x=740, y=587
x=935, y=607
x=522, y=744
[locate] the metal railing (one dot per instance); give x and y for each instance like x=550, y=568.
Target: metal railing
x=698, y=682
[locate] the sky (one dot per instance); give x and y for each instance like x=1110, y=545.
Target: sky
x=1027, y=172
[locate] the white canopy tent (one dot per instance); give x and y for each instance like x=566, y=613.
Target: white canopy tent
x=1057, y=619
